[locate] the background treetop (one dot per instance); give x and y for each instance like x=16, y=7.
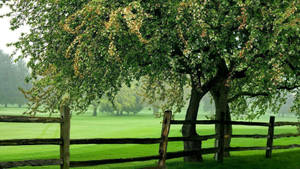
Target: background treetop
x=12, y=77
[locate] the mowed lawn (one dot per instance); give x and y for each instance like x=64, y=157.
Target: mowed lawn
x=141, y=126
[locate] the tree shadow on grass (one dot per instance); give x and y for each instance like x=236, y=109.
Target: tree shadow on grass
x=279, y=160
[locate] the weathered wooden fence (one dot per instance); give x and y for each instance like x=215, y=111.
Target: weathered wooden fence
x=220, y=149
x=64, y=141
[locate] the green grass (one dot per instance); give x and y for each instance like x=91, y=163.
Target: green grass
x=142, y=125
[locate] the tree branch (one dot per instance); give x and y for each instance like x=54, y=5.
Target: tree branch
x=221, y=74
x=247, y=94
x=288, y=87
x=292, y=67
x=184, y=68
x=238, y=74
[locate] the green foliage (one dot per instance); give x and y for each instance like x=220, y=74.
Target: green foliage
x=106, y=106
x=90, y=48
x=127, y=100
x=285, y=109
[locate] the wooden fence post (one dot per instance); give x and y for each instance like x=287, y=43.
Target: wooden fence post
x=220, y=142
x=270, y=137
x=65, y=137
x=164, y=139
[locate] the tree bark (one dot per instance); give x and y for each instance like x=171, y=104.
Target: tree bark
x=228, y=132
x=189, y=130
x=220, y=95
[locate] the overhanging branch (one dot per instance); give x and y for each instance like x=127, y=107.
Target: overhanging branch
x=292, y=67
x=249, y=94
x=289, y=88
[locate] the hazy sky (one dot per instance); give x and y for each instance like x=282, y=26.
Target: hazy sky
x=6, y=35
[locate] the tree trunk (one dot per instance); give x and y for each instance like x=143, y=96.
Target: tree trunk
x=228, y=131
x=189, y=130
x=19, y=105
x=95, y=111
x=220, y=95
x=5, y=105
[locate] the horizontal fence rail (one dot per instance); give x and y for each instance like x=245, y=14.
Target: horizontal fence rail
x=218, y=122
x=286, y=135
x=112, y=161
x=286, y=146
x=265, y=136
x=244, y=148
x=170, y=155
x=137, y=140
x=54, y=141
x=234, y=123
x=249, y=136
x=282, y=123
x=247, y=123
x=30, y=163
x=262, y=148
x=194, y=122
x=22, y=142
x=28, y=119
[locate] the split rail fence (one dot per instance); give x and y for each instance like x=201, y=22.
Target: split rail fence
x=64, y=141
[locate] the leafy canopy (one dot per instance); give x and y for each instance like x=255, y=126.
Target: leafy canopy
x=89, y=48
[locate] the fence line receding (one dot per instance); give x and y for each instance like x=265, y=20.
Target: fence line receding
x=64, y=141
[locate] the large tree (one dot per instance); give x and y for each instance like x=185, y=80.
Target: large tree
x=233, y=49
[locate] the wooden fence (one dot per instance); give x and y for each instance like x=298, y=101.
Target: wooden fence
x=220, y=149
x=64, y=141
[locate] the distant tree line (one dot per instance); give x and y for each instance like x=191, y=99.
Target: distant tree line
x=12, y=77
x=127, y=101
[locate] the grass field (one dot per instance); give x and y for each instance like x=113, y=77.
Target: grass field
x=142, y=125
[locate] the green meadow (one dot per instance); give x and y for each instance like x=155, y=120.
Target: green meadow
x=141, y=126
